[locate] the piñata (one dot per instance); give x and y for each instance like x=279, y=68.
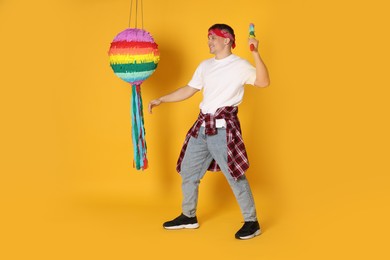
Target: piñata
x=134, y=57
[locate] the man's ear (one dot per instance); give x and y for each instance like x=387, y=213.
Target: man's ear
x=226, y=41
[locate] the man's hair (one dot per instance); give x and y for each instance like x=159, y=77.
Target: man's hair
x=224, y=27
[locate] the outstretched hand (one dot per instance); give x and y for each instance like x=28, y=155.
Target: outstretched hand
x=153, y=104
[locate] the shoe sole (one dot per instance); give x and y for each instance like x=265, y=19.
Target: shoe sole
x=187, y=226
x=258, y=232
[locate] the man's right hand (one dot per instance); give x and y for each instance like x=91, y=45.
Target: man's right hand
x=153, y=104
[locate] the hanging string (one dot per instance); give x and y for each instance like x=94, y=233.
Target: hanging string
x=131, y=10
x=136, y=13
x=142, y=13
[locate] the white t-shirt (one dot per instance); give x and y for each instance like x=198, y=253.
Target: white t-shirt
x=222, y=82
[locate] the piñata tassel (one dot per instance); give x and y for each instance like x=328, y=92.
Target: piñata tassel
x=138, y=129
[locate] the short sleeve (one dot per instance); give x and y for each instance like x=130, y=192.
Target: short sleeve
x=250, y=73
x=197, y=78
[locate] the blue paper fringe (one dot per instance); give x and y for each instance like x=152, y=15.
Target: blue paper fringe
x=138, y=129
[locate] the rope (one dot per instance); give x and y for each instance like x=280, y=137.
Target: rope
x=131, y=10
x=136, y=13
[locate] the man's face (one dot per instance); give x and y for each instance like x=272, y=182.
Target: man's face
x=216, y=43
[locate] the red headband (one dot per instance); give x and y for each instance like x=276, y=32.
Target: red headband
x=223, y=34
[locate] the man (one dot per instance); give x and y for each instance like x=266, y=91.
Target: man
x=214, y=142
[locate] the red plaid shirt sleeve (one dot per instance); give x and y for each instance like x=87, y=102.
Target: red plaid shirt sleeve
x=237, y=157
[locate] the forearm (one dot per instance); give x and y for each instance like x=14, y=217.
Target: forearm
x=179, y=94
x=262, y=77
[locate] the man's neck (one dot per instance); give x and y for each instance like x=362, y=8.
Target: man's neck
x=223, y=54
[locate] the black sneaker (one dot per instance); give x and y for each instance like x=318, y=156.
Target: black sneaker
x=180, y=222
x=249, y=230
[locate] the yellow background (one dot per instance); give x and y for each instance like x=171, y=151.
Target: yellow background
x=317, y=138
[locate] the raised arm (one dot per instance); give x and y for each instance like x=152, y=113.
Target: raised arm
x=262, y=77
x=176, y=96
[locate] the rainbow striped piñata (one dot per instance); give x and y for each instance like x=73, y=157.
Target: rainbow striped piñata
x=134, y=57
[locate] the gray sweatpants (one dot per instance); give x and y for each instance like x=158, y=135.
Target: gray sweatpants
x=199, y=153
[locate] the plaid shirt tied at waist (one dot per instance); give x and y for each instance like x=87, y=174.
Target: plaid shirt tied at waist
x=237, y=158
